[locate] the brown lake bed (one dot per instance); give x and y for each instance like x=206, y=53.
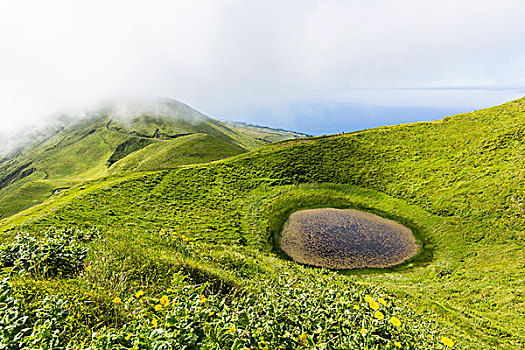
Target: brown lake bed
x=346, y=239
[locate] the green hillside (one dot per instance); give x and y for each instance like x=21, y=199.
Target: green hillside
x=190, y=149
x=265, y=134
x=106, y=142
x=75, y=154
x=200, y=243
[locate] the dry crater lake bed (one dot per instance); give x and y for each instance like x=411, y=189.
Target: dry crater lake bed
x=346, y=239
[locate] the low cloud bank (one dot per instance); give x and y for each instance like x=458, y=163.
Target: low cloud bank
x=123, y=110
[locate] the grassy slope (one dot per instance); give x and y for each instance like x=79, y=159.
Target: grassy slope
x=458, y=182
x=168, y=128
x=81, y=151
x=76, y=154
x=268, y=135
x=191, y=149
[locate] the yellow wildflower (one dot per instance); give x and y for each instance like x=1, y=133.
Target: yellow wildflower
x=397, y=344
x=379, y=315
x=395, y=321
x=139, y=294
x=158, y=307
x=382, y=301
x=203, y=299
x=232, y=329
x=362, y=331
x=117, y=300
x=154, y=323
x=303, y=337
x=88, y=268
x=164, y=300
x=447, y=341
x=373, y=305
x=368, y=298
x=356, y=307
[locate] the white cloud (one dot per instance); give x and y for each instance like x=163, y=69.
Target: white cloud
x=229, y=56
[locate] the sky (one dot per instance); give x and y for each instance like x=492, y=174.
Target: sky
x=318, y=67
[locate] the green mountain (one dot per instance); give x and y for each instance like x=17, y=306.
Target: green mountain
x=189, y=258
x=159, y=134
x=264, y=133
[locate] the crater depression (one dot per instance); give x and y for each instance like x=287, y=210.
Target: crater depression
x=346, y=239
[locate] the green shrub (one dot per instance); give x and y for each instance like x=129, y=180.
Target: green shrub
x=14, y=325
x=18, y=330
x=56, y=254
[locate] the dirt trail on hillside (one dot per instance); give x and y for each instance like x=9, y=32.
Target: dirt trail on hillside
x=132, y=135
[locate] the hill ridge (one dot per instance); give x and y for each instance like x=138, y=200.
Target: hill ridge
x=104, y=136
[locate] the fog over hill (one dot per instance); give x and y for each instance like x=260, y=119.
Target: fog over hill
x=116, y=136
x=310, y=66
x=16, y=140
x=123, y=110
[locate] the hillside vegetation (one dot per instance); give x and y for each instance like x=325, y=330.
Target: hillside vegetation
x=190, y=149
x=90, y=148
x=189, y=258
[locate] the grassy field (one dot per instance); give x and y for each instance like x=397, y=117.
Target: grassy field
x=201, y=242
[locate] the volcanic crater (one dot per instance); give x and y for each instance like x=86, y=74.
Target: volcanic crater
x=346, y=239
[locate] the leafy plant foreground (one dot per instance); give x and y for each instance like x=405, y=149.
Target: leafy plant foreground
x=171, y=305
